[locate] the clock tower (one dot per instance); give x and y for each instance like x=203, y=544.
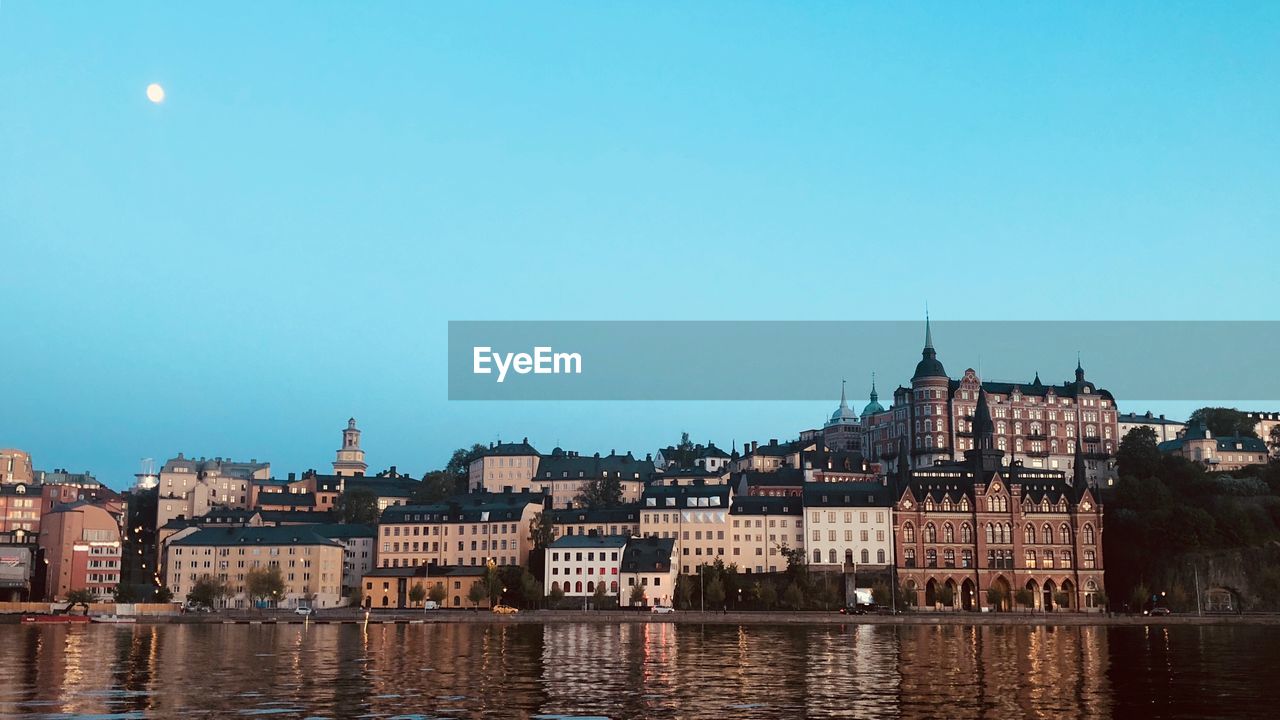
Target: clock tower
x=350, y=459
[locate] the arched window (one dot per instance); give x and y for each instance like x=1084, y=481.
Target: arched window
x=817, y=557
x=1048, y=534
x=1089, y=558
x=1029, y=535
x=908, y=533
x=1000, y=428
x=1064, y=532
x=1088, y=534
x=880, y=556
x=1066, y=558
x=990, y=534
x=966, y=533
x=1048, y=558
x=831, y=556
x=866, y=556
x=1031, y=558
x=613, y=587
x=946, y=504
x=964, y=504
x=555, y=586
x=949, y=558
x=948, y=533
x=591, y=586
x=930, y=533
x=577, y=587
x=928, y=504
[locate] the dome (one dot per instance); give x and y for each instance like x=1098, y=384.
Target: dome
x=844, y=413
x=928, y=367
x=872, y=407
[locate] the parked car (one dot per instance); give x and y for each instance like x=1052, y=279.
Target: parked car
x=302, y=610
x=662, y=609
x=430, y=605
x=856, y=609
x=197, y=608
x=1160, y=612
x=504, y=610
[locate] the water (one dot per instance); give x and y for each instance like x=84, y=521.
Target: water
x=637, y=671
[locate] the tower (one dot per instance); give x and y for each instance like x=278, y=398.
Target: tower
x=985, y=456
x=930, y=398
x=350, y=458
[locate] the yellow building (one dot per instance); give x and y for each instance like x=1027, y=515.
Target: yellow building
x=696, y=517
x=467, y=529
x=504, y=465
x=763, y=529
x=310, y=565
x=389, y=587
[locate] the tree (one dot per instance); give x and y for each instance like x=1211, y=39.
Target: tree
x=355, y=598
x=600, y=493
x=637, y=595
x=600, y=596
x=1273, y=440
x=264, y=583
x=767, y=594
x=207, y=591
x=1138, y=455
x=557, y=594
x=459, y=465
x=435, y=486
x=684, y=591
x=1025, y=598
x=124, y=593
x=1223, y=421
x=477, y=593
x=1139, y=597
x=530, y=589
x=1061, y=599
x=81, y=597
x=542, y=530
x=437, y=594
x=880, y=594
x=417, y=593
x=793, y=597
x=946, y=595
x=995, y=597
x=797, y=566
x=358, y=506
x=492, y=584
x=714, y=592
x=163, y=595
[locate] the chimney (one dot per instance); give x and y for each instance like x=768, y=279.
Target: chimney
x=773, y=441
x=291, y=477
x=393, y=471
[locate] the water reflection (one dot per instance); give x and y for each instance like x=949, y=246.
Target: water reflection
x=636, y=671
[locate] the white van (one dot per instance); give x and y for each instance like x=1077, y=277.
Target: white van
x=431, y=605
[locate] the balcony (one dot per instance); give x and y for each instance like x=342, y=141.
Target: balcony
x=1037, y=436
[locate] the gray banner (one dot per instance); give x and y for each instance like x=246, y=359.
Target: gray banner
x=806, y=360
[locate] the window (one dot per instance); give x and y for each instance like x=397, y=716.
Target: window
x=909, y=556
x=1088, y=534
x=908, y=533
x=948, y=533
x=931, y=558
x=930, y=533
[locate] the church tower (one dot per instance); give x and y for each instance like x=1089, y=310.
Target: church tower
x=350, y=458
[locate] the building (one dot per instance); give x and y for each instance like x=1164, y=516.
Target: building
x=647, y=562
x=783, y=482
x=696, y=517
x=349, y=460
x=692, y=457
x=563, y=475
x=848, y=524
x=20, y=507
x=764, y=529
x=1267, y=426
x=1039, y=424
x=1225, y=454
x=836, y=466
x=191, y=487
x=504, y=465
x=471, y=529
x=774, y=455
x=81, y=546
x=19, y=556
x=390, y=487
x=1163, y=427
x=577, y=564
x=623, y=520
x=358, y=549
x=310, y=565
x=15, y=467
x=970, y=534
x=389, y=587
x=844, y=431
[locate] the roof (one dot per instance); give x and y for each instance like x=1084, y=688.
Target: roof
x=624, y=513
x=521, y=448
x=647, y=555
x=293, y=517
x=571, y=466
x=686, y=496
x=782, y=477
x=1147, y=418
x=400, y=486
x=424, y=571
x=1225, y=443
x=284, y=535
x=835, y=461
x=340, y=531
x=589, y=541
x=868, y=494
x=954, y=480
x=1068, y=389
x=470, y=507
x=765, y=505
x=287, y=498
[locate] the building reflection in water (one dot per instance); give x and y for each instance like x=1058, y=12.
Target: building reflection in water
x=635, y=670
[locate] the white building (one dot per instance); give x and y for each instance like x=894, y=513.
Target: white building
x=577, y=564
x=1164, y=428
x=647, y=562
x=848, y=524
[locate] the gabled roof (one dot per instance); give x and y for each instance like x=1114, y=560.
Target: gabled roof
x=505, y=449
x=648, y=555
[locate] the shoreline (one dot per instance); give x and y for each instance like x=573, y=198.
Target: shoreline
x=616, y=617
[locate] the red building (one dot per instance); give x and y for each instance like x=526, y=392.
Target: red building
x=970, y=534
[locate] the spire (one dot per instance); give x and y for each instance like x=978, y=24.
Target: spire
x=928, y=366
x=874, y=396
x=983, y=428
x=1036, y=382
x=843, y=402
x=928, y=331
x=1079, y=368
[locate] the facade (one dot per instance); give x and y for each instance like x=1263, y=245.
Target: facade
x=774, y=455
x=189, y=487
x=970, y=534
x=19, y=556
x=358, y=549
x=848, y=524
x=20, y=507
x=390, y=487
x=695, y=517
x=1225, y=454
x=648, y=563
x=707, y=457
x=563, y=475
x=623, y=521
x=1163, y=427
x=349, y=460
x=783, y=482
x=1042, y=425
x=310, y=565
x=577, y=564
x=467, y=530
x=81, y=546
x=1267, y=426
x=15, y=467
x=763, y=529
x=504, y=465
x=389, y=587
x=844, y=431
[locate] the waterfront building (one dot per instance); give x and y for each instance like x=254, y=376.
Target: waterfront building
x=563, y=475
x=695, y=517
x=1225, y=453
x=1164, y=428
x=624, y=520
x=15, y=467
x=358, y=549
x=848, y=524
x=349, y=460
x=389, y=587
x=310, y=565
x=471, y=529
x=81, y=546
x=1042, y=425
x=763, y=529
x=19, y=558
x=649, y=563
x=976, y=531
x=504, y=465
x=577, y=564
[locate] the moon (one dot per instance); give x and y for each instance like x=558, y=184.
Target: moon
x=155, y=93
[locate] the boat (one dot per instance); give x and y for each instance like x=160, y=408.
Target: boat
x=113, y=619
x=55, y=618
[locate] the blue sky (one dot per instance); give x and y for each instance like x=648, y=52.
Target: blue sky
x=280, y=244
